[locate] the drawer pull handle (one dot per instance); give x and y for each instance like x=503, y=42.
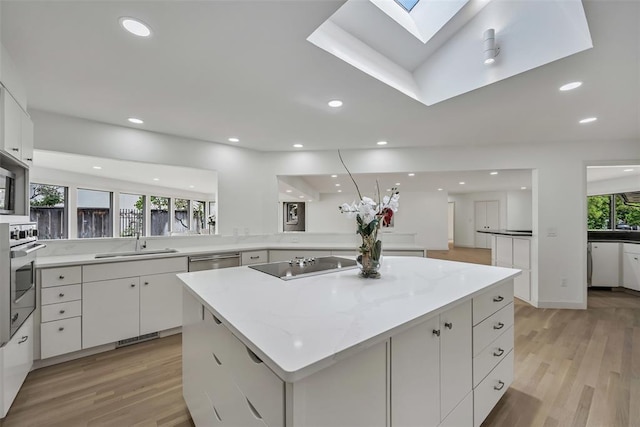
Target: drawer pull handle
x=215, y=319
x=61, y=295
x=15, y=149
x=255, y=257
x=61, y=328
x=254, y=410
x=499, y=386
x=448, y=325
x=498, y=298
x=61, y=311
x=133, y=285
x=146, y=283
x=23, y=339
x=253, y=356
x=499, y=353
x=436, y=332
x=216, y=359
x=61, y=277
x=500, y=325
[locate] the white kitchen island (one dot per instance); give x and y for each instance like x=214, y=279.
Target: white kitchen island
x=430, y=343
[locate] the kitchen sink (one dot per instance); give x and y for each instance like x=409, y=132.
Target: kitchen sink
x=137, y=253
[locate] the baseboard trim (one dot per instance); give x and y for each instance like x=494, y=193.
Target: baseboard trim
x=571, y=305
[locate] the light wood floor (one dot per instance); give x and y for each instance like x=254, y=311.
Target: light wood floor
x=455, y=253
x=572, y=368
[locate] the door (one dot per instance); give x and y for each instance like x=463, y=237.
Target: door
x=160, y=302
x=487, y=217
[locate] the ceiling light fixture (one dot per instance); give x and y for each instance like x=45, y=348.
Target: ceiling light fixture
x=339, y=191
x=288, y=191
x=337, y=185
x=100, y=167
x=588, y=120
x=298, y=145
x=493, y=173
x=136, y=121
x=570, y=86
x=335, y=103
x=627, y=170
x=397, y=183
x=461, y=183
x=191, y=186
x=334, y=176
x=135, y=27
x=156, y=179
x=411, y=174
x=490, y=48
x=523, y=188
x=234, y=140
x=440, y=189
x=381, y=142
x=302, y=197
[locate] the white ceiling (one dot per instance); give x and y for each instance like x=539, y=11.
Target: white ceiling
x=603, y=173
x=219, y=69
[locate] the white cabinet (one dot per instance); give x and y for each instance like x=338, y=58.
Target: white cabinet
x=605, y=259
x=255, y=257
x=515, y=252
x=487, y=217
x=17, y=359
x=631, y=266
x=431, y=368
x=123, y=300
x=110, y=311
x=26, y=152
x=17, y=129
x=60, y=310
x=160, y=309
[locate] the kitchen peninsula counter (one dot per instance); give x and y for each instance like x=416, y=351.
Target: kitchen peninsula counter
x=306, y=330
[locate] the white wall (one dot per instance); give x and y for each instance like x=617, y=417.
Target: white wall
x=464, y=227
x=248, y=192
x=422, y=213
x=519, y=209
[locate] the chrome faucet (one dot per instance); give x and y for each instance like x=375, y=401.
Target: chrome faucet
x=140, y=247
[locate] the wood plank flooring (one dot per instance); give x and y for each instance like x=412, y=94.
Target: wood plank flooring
x=572, y=368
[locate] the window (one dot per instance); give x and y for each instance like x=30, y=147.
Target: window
x=627, y=213
x=132, y=208
x=159, y=216
x=605, y=210
x=199, y=224
x=49, y=210
x=181, y=216
x=407, y=4
x=94, y=214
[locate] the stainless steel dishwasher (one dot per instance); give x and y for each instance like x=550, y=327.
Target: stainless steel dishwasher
x=213, y=261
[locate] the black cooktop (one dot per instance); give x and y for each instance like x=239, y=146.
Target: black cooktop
x=303, y=267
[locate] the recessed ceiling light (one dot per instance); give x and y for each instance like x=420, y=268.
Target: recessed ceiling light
x=297, y=146
x=97, y=167
x=523, y=188
x=493, y=173
x=156, y=179
x=411, y=174
x=191, y=186
x=397, y=183
x=588, y=120
x=302, y=197
x=135, y=27
x=337, y=185
x=136, y=121
x=310, y=200
x=570, y=86
x=388, y=189
x=334, y=176
x=288, y=191
x=489, y=61
x=335, y=103
x=627, y=170
x=381, y=142
x=439, y=189
x=461, y=183
x=339, y=191
x=234, y=140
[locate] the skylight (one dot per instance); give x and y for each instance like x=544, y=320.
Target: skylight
x=407, y=4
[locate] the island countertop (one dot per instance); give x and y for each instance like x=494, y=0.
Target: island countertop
x=298, y=327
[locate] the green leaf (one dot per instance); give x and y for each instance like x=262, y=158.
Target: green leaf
x=377, y=250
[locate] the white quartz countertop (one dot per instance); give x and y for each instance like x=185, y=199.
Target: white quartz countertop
x=298, y=327
x=89, y=258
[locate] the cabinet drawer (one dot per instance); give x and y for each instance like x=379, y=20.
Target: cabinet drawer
x=254, y=257
x=491, y=389
x=490, y=329
x=61, y=294
x=491, y=301
x=60, y=276
x=60, y=337
x=61, y=311
x=492, y=355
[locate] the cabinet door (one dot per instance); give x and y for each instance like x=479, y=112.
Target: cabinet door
x=606, y=264
x=480, y=216
x=415, y=376
x=631, y=271
x=27, y=139
x=12, y=129
x=110, y=311
x=493, y=215
x=504, y=251
x=455, y=357
x=17, y=362
x=160, y=302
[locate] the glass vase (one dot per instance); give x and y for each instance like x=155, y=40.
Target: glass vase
x=370, y=261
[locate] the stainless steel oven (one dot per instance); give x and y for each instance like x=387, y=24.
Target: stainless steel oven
x=7, y=192
x=18, y=247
